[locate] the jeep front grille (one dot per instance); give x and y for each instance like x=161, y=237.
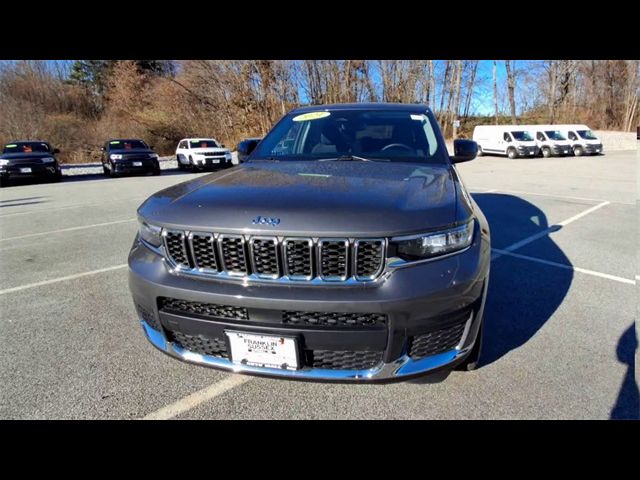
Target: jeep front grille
x=275, y=258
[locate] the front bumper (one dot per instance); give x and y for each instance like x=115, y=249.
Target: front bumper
x=212, y=162
x=561, y=151
x=528, y=151
x=128, y=167
x=417, y=300
x=37, y=170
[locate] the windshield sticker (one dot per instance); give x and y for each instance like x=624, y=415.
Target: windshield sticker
x=310, y=116
x=114, y=143
x=417, y=117
x=13, y=145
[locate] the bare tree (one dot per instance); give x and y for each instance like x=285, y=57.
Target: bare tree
x=495, y=90
x=511, y=88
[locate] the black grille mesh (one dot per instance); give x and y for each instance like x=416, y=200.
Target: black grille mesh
x=265, y=257
x=213, y=346
x=204, y=254
x=333, y=318
x=333, y=259
x=148, y=316
x=233, y=254
x=369, y=259
x=299, y=258
x=343, y=360
x=175, y=244
x=439, y=341
x=207, y=309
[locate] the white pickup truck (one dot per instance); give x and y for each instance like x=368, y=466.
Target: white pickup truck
x=201, y=153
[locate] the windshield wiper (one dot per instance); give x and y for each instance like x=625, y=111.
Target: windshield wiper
x=352, y=158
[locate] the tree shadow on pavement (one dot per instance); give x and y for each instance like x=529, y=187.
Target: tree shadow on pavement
x=628, y=403
x=522, y=294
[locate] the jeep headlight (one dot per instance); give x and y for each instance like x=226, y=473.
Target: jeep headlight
x=48, y=160
x=419, y=247
x=154, y=156
x=115, y=156
x=4, y=162
x=149, y=233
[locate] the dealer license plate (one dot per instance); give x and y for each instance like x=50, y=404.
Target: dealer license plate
x=263, y=350
x=137, y=164
x=25, y=170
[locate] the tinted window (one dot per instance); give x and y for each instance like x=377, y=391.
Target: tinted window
x=126, y=144
x=506, y=137
x=587, y=134
x=572, y=136
x=554, y=135
x=392, y=135
x=26, y=147
x=203, y=144
x=522, y=136
x=540, y=136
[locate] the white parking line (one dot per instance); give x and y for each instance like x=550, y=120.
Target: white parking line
x=551, y=195
x=568, y=267
x=70, y=229
x=79, y=205
x=61, y=279
x=545, y=232
x=197, y=398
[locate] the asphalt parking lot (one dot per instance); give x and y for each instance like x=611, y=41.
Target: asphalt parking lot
x=561, y=337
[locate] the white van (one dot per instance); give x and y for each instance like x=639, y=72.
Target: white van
x=583, y=140
x=550, y=140
x=511, y=140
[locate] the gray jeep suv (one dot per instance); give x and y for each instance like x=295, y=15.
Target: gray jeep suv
x=345, y=248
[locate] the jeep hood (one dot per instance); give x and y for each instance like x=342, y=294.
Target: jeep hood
x=311, y=198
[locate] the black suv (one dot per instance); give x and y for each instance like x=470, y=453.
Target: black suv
x=29, y=159
x=122, y=156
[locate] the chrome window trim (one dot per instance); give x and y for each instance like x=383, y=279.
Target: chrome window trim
x=354, y=262
x=333, y=278
x=276, y=245
x=285, y=264
x=220, y=240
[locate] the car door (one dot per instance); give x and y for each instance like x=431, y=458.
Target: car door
x=506, y=142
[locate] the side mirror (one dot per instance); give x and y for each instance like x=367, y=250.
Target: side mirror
x=150, y=147
x=56, y=150
x=464, y=150
x=251, y=147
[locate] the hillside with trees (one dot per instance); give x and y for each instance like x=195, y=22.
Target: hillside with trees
x=77, y=105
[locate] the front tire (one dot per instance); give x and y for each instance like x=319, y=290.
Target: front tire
x=578, y=151
x=180, y=165
x=512, y=154
x=546, y=153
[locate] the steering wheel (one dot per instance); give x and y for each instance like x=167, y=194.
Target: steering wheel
x=396, y=145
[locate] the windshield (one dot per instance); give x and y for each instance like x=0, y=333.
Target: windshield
x=522, y=136
x=587, y=135
x=372, y=134
x=26, y=147
x=126, y=144
x=204, y=144
x=554, y=135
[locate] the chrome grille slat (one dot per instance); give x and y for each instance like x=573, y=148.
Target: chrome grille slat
x=175, y=245
x=233, y=255
x=271, y=258
x=203, y=251
x=298, y=258
x=333, y=259
x=265, y=259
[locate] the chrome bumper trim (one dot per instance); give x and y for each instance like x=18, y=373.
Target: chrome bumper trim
x=402, y=367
